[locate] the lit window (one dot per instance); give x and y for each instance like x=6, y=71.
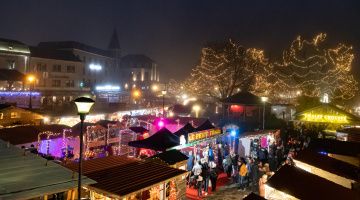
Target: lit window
x=14, y=115
x=1, y=115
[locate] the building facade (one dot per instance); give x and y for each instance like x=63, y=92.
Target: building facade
x=59, y=75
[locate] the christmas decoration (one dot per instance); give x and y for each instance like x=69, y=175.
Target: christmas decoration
x=311, y=69
x=225, y=69
x=173, y=192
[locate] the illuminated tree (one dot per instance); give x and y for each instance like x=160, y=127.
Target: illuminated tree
x=224, y=69
x=311, y=69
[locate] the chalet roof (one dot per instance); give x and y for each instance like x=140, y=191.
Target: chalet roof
x=335, y=147
x=185, y=130
x=253, y=196
x=159, y=141
x=138, y=129
x=4, y=106
x=11, y=75
x=329, y=164
x=122, y=176
x=205, y=126
x=24, y=175
x=170, y=157
x=243, y=98
x=27, y=134
x=304, y=185
x=328, y=109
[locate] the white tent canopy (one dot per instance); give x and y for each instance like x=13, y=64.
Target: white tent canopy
x=24, y=175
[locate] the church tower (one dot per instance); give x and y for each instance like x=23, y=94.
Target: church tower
x=114, y=45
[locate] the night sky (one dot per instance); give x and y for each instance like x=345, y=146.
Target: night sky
x=173, y=32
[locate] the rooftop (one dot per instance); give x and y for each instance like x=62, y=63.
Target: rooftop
x=67, y=45
x=335, y=147
x=243, y=98
x=122, y=176
x=13, y=46
x=53, y=54
x=329, y=164
x=170, y=157
x=24, y=175
x=27, y=134
x=304, y=185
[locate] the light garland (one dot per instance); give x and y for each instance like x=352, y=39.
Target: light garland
x=225, y=70
x=309, y=68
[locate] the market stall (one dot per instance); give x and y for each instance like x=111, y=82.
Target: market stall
x=118, y=177
x=251, y=142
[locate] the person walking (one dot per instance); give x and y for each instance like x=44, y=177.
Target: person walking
x=205, y=174
x=242, y=173
x=213, y=175
x=197, y=169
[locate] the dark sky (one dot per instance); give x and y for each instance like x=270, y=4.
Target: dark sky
x=172, y=32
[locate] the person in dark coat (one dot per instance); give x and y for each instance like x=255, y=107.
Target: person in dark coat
x=213, y=175
x=205, y=173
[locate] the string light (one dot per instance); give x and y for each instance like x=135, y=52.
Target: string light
x=311, y=69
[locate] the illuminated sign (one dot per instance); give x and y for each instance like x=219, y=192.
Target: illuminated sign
x=203, y=134
x=95, y=67
x=338, y=119
x=107, y=88
x=7, y=93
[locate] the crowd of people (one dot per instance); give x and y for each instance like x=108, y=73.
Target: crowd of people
x=247, y=173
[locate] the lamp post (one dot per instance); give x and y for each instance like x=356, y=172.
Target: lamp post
x=31, y=80
x=163, y=102
x=83, y=105
x=264, y=100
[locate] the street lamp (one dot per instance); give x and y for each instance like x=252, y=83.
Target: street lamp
x=154, y=88
x=196, y=108
x=163, y=101
x=83, y=105
x=31, y=80
x=264, y=100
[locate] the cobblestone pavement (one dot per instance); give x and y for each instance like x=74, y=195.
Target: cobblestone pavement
x=228, y=193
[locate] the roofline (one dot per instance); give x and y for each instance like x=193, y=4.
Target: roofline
x=141, y=190
x=78, y=61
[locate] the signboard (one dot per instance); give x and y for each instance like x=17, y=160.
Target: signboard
x=200, y=135
x=338, y=119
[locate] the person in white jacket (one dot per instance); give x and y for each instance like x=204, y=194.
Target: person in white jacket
x=197, y=169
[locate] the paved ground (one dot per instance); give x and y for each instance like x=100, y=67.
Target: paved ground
x=228, y=193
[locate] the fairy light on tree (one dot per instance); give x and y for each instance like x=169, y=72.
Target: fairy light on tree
x=228, y=67
x=312, y=69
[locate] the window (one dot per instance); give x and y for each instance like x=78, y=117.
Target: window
x=40, y=67
x=56, y=68
x=11, y=64
x=70, y=69
x=1, y=115
x=14, y=115
x=56, y=83
x=69, y=83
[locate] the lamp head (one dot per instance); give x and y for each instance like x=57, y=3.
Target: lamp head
x=264, y=99
x=163, y=92
x=196, y=108
x=83, y=105
x=31, y=78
